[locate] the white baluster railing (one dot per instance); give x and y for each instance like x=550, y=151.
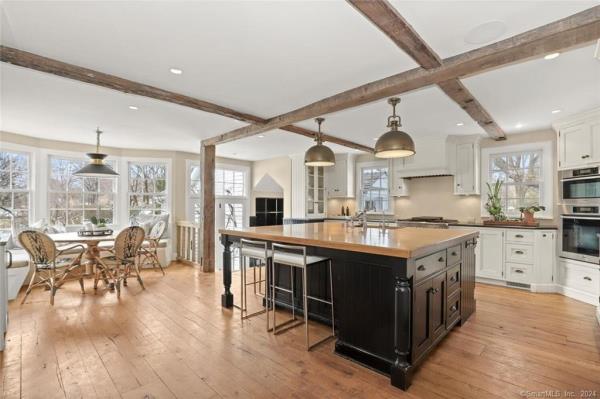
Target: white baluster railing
x=189, y=248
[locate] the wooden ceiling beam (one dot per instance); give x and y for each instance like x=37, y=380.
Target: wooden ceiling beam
x=385, y=17
x=48, y=65
x=575, y=30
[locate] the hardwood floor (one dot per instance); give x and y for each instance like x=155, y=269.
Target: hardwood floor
x=174, y=341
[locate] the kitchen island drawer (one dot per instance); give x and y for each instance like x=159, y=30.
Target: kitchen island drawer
x=519, y=253
x=453, y=309
x=453, y=255
x=430, y=264
x=453, y=279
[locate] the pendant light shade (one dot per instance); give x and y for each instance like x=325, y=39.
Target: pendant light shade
x=96, y=167
x=395, y=143
x=319, y=154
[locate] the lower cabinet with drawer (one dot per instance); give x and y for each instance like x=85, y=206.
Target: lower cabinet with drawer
x=579, y=280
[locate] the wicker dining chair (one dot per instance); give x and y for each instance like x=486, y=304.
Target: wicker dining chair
x=50, y=268
x=122, y=259
x=149, y=255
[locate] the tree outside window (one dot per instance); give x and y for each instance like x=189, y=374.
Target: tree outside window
x=14, y=189
x=521, y=174
x=73, y=200
x=147, y=186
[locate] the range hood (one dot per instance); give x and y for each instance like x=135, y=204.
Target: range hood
x=430, y=160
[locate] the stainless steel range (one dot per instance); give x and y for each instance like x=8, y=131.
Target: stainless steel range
x=434, y=222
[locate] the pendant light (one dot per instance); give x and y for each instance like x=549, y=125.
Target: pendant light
x=395, y=143
x=96, y=167
x=318, y=154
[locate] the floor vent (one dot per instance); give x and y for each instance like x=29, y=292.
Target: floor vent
x=518, y=285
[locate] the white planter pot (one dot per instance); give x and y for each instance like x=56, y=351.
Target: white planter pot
x=16, y=277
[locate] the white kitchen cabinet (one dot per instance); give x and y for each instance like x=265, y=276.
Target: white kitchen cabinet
x=579, y=140
x=466, y=174
x=340, y=178
x=398, y=184
x=579, y=280
x=544, y=261
x=308, y=198
x=491, y=258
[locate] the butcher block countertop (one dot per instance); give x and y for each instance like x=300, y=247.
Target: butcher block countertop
x=407, y=242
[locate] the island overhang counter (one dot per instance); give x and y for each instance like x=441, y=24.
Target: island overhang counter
x=397, y=292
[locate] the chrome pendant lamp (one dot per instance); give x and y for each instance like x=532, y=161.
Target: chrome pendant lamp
x=96, y=167
x=319, y=154
x=395, y=143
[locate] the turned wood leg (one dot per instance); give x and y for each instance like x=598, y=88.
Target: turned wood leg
x=227, y=296
x=402, y=371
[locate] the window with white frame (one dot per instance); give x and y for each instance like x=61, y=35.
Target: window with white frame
x=147, y=187
x=229, y=182
x=194, y=192
x=526, y=175
x=374, y=188
x=73, y=200
x=15, y=186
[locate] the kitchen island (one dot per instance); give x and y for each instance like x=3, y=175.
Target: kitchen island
x=397, y=292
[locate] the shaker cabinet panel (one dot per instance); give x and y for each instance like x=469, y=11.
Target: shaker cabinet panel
x=491, y=250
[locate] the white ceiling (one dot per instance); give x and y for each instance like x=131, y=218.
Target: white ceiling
x=266, y=58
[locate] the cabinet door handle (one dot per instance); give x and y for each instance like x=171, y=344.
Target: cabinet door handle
x=519, y=252
x=519, y=235
x=421, y=268
x=543, y=235
x=453, y=278
x=453, y=308
x=441, y=259
x=587, y=278
x=585, y=156
x=454, y=254
x=519, y=271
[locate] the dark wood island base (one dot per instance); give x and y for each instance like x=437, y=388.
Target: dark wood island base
x=391, y=307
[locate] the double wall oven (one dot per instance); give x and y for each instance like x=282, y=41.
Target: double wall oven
x=580, y=214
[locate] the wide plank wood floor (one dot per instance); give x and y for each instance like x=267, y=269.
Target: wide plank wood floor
x=173, y=340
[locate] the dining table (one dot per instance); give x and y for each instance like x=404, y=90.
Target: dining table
x=92, y=246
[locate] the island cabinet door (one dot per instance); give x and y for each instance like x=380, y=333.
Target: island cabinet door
x=438, y=305
x=422, y=337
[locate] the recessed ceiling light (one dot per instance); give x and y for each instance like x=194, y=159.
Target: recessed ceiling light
x=519, y=125
x=485, y=32
x=261, y=136
x=551, y=56
x=460, y=124
x=556, y=111
x=133, y=107
x=176, y=71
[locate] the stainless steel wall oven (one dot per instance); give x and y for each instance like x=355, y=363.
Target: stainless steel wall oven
x=580, y=232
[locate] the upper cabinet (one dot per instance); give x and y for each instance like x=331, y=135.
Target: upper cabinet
x=579, y=140
x=308, y=189
x=340, y=178
x=463, y=160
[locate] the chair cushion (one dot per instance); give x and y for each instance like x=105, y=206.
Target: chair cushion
x=256, y=252
x=295, y=259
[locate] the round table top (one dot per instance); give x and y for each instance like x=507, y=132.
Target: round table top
x=74, y=237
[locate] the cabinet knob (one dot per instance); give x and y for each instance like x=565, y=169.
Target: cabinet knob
x=453, y=253
x=441, y=259
x=587, y=278
x=585, y=156
x=457, y=185
x=453, y=278
x=453, y=308
x=543, y=235
x=421, y=268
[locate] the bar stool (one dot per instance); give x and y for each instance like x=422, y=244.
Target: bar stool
x=257, y=250
x=286, y=255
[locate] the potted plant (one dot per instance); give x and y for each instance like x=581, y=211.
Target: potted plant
x=527, y=213
x=99, y=223
x=494, y=202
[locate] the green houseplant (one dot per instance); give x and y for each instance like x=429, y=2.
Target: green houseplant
x=494, y=202
x=527, y=212
x=99, y=223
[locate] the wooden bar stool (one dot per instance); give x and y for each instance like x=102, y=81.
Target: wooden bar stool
x=257, y=250
x=295, y=257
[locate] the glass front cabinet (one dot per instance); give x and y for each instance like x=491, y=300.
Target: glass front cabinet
x=315, y=191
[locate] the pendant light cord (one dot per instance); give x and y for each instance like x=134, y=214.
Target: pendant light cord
x=319, y=138
x=98, y=133
x=394, y=120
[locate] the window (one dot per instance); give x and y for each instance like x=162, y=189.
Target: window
x=374, y=188
x=14, y=189
x=526, y=173
x=229, y=182
x=147, y=186
x=194, y=193
x=520, y=173
x=74, y=200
